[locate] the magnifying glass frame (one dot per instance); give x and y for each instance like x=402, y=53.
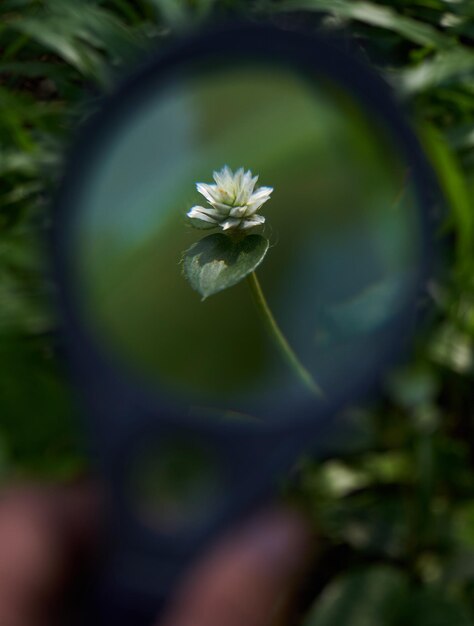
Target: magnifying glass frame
x=121, y=411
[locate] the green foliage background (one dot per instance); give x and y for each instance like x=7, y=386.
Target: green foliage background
x=396, y=508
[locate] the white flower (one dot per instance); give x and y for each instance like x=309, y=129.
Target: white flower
x=234, y=203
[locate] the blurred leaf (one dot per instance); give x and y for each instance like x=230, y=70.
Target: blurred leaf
x=461, y=214
x=31, y=163
x=174, y=12
x=34, y=69
x=370, y=597
x=430, y=607
x=23, y=285
x=218, y=261
x=183, y=13
x=337, y=479
x=20, y=193
x=413, y=386
x=453, y=348
x=459, y=567
x=444, y=67
x=388, y=467
x=375, y=520
x=464, y=527
x=383, y=596
x=36, y=410
x=59, y=36
x=81, y=36
x=374, y=15
x=462, y=136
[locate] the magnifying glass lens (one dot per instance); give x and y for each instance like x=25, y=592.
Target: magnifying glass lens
x=339, y=238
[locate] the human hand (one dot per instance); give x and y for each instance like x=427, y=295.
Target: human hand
x=47, y=533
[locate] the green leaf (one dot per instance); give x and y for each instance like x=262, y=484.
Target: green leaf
x=412, y=386
x=374, y=15
x=81, y=36
x=38, y=428
x=364, y=598
x=382, y=596
x=174, y=12
x=455, y=64
x=431, y=607
x=52, y=34
x=218, y=261
x=373, y=520
x=456, y=192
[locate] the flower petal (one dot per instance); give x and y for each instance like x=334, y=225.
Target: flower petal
x=230, y=223
x=254, y=220
x=224, y=209
x=261, y=192
x=245, y=190
x=252, y=183
x=238, y=211
x=206, y=215
x=257, y=199
x=253, y=207
x=239, y=176
x=223, y=177
x=210, y=192
x=241, y=197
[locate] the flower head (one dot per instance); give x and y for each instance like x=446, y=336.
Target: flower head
x=233, y=199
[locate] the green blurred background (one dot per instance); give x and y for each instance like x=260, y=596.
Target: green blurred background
x=395, y=507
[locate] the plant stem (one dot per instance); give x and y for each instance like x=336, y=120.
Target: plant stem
x=280, y=339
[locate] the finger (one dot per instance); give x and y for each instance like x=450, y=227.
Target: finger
x=42, y=533
x=246, y=579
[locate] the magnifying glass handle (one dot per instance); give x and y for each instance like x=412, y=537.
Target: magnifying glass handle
x=114, y=607
x=127, y=611
x=99, y=600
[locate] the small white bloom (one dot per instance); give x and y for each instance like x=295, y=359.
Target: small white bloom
x=233, y=199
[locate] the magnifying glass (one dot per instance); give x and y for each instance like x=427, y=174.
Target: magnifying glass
x=242, y=242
